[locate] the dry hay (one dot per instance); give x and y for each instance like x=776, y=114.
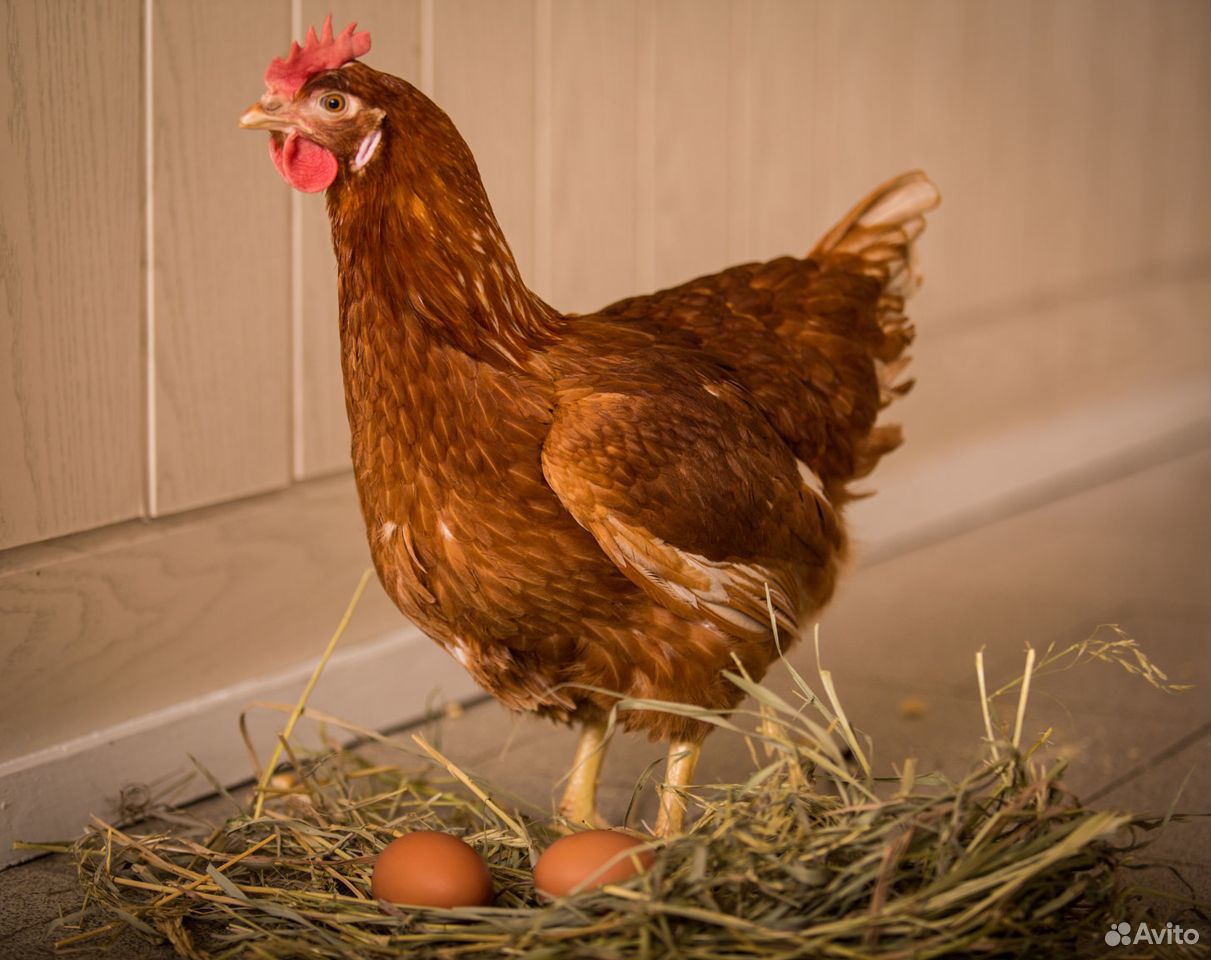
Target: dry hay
x=812, y=856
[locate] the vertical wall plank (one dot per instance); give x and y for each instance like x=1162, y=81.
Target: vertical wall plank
x=1063, y=36
x=483, y=54
x=938, y=144
x=824, y=101
x=857, y=57
x=857, y=87
x=645, y=148
x=783, y=162
x=221, y=258
x=833, y=88
x=1120, y=183
x=594, y=77
x=394, y=28
x=1181, y=133
x=1000, y=164
x=70, y=251
x=691, y=46
x=740, y=107
x=870, y=88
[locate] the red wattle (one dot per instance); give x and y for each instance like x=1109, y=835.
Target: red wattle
x=303, y=164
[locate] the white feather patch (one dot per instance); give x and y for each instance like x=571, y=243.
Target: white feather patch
x=811, y=480
x=366, y=149
x=718, y=587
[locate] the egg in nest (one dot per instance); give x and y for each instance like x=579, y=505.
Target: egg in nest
x=429, y=868
x=588, y=860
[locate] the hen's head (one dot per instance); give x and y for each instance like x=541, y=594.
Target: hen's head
x=318, y=106
x=403, y=189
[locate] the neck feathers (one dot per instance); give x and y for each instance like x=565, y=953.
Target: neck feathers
x=417, y=242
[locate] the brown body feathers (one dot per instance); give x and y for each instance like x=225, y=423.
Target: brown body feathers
x=572, y=505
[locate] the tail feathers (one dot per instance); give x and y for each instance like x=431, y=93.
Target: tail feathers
x=881, y=230
x=891, y=387
x=881, y=441
x=879, y=233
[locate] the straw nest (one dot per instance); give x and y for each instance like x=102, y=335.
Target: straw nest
x=811, y=856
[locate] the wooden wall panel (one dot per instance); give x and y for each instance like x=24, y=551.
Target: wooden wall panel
x=782, y=161
x=829, y=192
x=71, y=228
x=1063, y=37
x=741, y=70
x=321, y=427
x=594, y=75
x=1120, y=183
x=484, y=63
x=138, y=618
x=1180, y=133
x=836, y=65
x=861, y=54
x=937, y=85
x=1002, y=240
x=221, y=259
x=691, y=47
x=1010, y=374
x=939, y=143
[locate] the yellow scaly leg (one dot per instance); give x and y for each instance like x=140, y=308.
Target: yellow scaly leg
x=683, y=758
x=579, y=803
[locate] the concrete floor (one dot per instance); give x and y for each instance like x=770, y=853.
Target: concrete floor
x=1128, y=544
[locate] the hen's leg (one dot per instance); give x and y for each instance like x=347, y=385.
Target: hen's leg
x=579, y=803
x=683, y=758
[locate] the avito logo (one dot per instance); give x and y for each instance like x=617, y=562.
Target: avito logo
x=1121, y=934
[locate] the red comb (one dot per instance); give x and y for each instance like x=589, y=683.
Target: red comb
x=325, y=52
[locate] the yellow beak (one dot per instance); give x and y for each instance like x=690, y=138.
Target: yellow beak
x=271, y=116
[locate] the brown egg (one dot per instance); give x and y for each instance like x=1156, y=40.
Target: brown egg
x=431, y=869
x=572, y=864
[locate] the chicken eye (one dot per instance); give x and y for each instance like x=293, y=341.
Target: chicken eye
x=333, y=102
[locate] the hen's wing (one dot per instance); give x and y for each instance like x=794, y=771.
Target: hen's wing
x=818, y=342
x=686, y=487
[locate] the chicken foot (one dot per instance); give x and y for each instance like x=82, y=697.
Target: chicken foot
x=683, y=758
x=579, y=803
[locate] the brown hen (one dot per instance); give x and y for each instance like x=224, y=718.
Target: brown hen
x=584, y=507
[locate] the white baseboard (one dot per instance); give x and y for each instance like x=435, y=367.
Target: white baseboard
x=49, y=795
x=371, y=682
